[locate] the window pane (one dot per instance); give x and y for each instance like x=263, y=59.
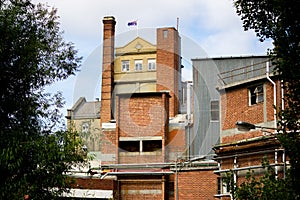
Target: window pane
x=152, y=145
x=85, y=127
x=138, y=65
x=125, y=65
x=259, y=94
x=256, y=94
x=214, y=110
x=151, y=64
x=165, y=33
x=129, y=146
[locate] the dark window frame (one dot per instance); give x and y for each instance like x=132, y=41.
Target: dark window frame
x=256, y=94
x=215, y=110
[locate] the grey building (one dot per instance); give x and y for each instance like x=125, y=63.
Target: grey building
x=210, y=77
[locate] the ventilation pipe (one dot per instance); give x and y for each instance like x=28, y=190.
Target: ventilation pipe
x=189, y=117
x=189, y=102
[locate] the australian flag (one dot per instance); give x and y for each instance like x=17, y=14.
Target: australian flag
x=133, y=23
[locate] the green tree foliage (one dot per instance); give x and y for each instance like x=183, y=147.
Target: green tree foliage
x=35, y=152
x=260, y=186
x=279, y=20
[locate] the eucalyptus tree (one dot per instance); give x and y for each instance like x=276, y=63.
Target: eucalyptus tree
x=35, y=149
x=279, y=20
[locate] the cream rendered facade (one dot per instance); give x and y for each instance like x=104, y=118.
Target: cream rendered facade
x=84, y=118
x=140, y=77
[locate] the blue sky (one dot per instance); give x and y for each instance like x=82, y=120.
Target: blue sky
x=208, y=29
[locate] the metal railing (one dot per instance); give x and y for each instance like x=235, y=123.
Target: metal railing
x=243, y=73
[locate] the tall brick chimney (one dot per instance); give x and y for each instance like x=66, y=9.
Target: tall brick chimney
x=107, y=68
x=168, y=65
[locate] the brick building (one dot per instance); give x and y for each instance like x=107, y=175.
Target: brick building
x=247, y=92
x=145, y=133
x=150, y=146
x=144, y=120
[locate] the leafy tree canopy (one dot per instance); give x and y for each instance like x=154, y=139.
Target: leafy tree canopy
x=33, y=154
x=279, y=20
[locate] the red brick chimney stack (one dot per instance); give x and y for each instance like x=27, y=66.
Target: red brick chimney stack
x=107, y=68
x=168, y=61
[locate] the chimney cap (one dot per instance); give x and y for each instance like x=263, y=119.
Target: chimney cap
x=109, y=18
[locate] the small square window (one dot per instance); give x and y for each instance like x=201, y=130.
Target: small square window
x=256, y=94
x=138, y=65
x=214, y=110
x=151, y=64
x=85, y=127
x=125, y=65
x=165, y=33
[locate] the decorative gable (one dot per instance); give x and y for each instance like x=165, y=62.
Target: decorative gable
x=138, y=45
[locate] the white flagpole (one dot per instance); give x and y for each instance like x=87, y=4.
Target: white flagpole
x=137, y=28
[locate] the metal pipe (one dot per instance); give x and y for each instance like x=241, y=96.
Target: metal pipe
x=274, y=90
x=247, y=154
x=188, y=102
x=188, y=113
x=135, y=173
x=136, y=165
x=244, y=168
x=276, y=163
x=176, y=179
x=235, y=166
x=282, y=95
x=284, y=163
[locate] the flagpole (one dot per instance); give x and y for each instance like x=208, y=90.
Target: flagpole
x=134, y=23
x=137, y=28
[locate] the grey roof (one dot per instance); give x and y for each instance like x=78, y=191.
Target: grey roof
x=85, y=110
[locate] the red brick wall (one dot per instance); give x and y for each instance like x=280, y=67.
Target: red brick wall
x=235, y=107
x=241, y=136
x=133, y=158
x=143, y=115
x=167, y=61
x=197, y=185
x=176, y=143
x=94, y=183
x=251, y=160
x=108, y=144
